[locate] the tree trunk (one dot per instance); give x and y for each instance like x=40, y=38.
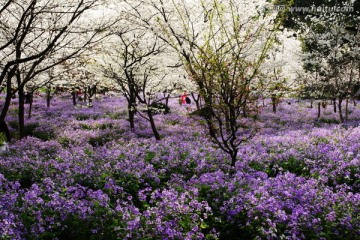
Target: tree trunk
x=319, y=110
x=244, y=111
x=131, y=113
x=340, y=111
x=196, y=100
x=6, y=106
x=30, y=109
x=21, y=113
x=354, y=102
x=273, y=101
x=152, y=123
x=4, y=128
x=167, y=100
x=93, y=92
x=132, y=108
x=7, y=102
x=48, y=97
x=346, y=109
x=73, y=95
x=89, y=95
x=311, y=103
x=85, y=95
x=334, y=103
x=227, y=121
x=233, y=157
x=3, y=125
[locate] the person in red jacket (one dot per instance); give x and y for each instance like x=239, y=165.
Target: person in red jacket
x=183, y=98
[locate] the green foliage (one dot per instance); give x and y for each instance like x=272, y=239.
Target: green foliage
x=202, y=112
x=14, y=124
x=65, y=142
x=295, y=166
x=116, y=115
x=29, y=129
x=236, y=229
x=101, y=126
x=149, y=156
x=329, y=121
x=82, y=117
x=100, y=140
x=25, y=176
x=173, y=122
x=272, y=169
x=34, y=130
x=104, y=126
x=2, y=138
x=159, y=108
x=350, y=178
x=44, y=135
x=85, y=126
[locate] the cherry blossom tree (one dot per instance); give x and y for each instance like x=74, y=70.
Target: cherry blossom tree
x=139, y=71
x=330, y=41
x=222, y=50
x=38, y=35
x=332, y=54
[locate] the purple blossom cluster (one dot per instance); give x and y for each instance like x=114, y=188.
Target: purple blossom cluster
x=83, y=174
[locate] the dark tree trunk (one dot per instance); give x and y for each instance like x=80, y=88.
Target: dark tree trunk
x=90, y=93
x=93, y=91
x=311, y=103
x=131, y=117
x=7, y=102
x=9, y=94
x=21, y=113
x=274, y=103
x=85, y=95
x=167, y=100
x=30, y=109
x=48, y=97
x=3, y=125
x=4, y=128
x=346, y=109
x=6, y=106
x=334, y=104
x=319, y=110
x=244, y=111
x=233, y=155
x=227, y=122
x=212, y=130
x=48, y=101
x=73, y=95
x=354, y=102
x=196, y=100
x=340, y=111
x=153, y=126
x=132, y=108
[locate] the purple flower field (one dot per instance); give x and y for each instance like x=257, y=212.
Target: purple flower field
x=82, y=174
